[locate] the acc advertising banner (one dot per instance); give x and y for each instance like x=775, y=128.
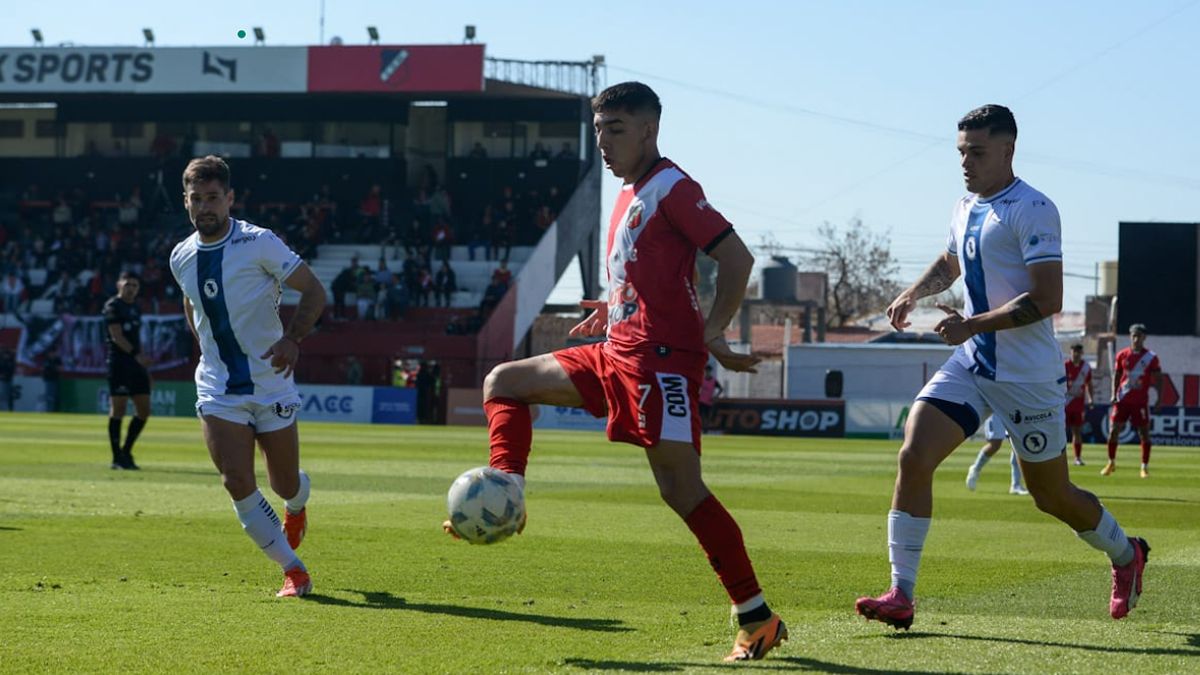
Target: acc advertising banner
x=360, y=405
x=157, y=70
x=1168, y=426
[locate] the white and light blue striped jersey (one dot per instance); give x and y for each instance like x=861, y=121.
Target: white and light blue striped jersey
x=995, y=241
x=234, y=286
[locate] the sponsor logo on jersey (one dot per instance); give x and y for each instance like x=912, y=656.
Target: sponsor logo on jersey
x=243, y=239
x=1032, y=418
x=286, y=410
x=970, y=248
x=211, y=288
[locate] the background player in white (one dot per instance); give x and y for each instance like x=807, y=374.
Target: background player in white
x=230, y=272
x=1005, y=237
x=994, y=434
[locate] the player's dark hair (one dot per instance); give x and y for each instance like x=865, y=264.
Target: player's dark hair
x=633, y=97
x=995, y=118
x=129, y=275
x=1137, y=328
x=1076, y=347
x=204, y=169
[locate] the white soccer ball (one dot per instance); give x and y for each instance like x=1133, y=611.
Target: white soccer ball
x=486, y=505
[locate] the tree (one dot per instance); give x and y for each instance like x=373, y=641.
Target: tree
x=862, y=271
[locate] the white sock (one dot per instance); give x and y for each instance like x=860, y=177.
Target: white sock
x=906, y=538
x=1110, y=538
x=980, y=460
x=260, y=522
x=751, y=604
x=519, y=479
x=1016, y=471
x=296, y=503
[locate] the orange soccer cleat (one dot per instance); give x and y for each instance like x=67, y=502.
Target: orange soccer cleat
x=754, y=640
x=294, y=526
x=296, y=583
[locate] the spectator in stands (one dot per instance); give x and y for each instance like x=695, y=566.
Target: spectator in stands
x=445, y=283
x=555, y=199
x=502, y=236
x=371, y=205
x=62, y=214
x=502, y=275
x=397, y=297
x=163, y=145
x=478, y=151
x=492, y=295
x=354, y=371
x=51, y=366
x=268, y=144
x=12, y=290
x=424, y=286
x=130, y=209
x=567, y=152
x=442, y=239
x=343, y=283
x=366, y=296
x=539, y=152
x=412, y=236
x=439, y=204
x=8, y=368
x=544, y=218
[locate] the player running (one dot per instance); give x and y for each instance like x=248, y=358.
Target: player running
x=646, y=378
x=127, y=369
x=230, y=272
x=1136, y=370
x=995, y=435
x=1080, y=397
x=1005, y=238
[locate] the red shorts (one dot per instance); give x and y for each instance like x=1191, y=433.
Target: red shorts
x=647, y=398
x=1137, y=413
x=1075, y=413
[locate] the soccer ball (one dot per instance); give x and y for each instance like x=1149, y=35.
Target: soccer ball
x=486, y=505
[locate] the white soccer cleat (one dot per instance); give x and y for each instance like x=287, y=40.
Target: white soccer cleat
x=1017, y=490
x=972, y=478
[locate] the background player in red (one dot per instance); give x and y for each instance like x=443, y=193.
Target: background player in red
x=646, y=377
x=1136, y=370
x=1079, y=387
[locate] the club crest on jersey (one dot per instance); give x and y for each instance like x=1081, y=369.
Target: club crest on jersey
x=634, y=221
x=211, y=289
x=286, y=410
x=970, y=248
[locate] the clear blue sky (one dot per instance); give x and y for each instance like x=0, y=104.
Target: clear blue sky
x=795, y=113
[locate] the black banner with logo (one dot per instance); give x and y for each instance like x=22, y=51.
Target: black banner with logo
x=768, y=417
x=1169, y=425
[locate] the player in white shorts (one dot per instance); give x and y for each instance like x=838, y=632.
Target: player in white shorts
x=231, y=274
x=1005, y=239
x=994, y=434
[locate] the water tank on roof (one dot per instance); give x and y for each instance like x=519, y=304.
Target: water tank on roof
x=779, y=280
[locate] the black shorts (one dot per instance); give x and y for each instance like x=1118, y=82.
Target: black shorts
x=127, y=379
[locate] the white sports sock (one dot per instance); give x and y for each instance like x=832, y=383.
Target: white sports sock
x=1016, y=470
x=519, y=479
x=981, y=460
x=260, y=522
x=296, y=503
x=753, y=603
x=906, y=538
x=1110, y=538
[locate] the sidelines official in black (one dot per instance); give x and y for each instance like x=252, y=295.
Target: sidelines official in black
x=127, y=374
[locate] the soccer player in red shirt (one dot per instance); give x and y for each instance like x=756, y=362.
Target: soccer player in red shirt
x=1079, y=388
x=646, y=377
x=1136, y=370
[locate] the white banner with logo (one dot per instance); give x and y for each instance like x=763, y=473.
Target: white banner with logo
x=155, y=70
x=328, y=403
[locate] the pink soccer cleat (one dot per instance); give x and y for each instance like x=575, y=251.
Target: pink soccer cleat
x=296, y=583
x=1127, y=580
x=893, y=608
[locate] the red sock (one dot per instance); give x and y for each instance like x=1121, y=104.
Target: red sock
x=1145, y=452
x=721, y=540
x=1112, y=451
x=1078, y=447
x=510, y=431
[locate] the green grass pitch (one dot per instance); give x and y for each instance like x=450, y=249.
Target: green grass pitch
x=103, y=570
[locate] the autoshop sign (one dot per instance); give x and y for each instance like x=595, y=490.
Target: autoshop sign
x=768, y=417
x=156, y=70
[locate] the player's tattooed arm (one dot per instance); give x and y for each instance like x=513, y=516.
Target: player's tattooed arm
x=1043, y=300
x=1022, y=311
x=938, y=277
x=311, y=305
